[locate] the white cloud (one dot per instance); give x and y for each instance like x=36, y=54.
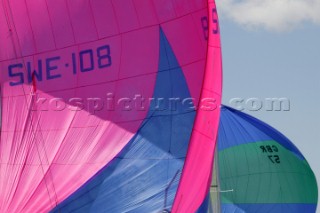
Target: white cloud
x=276, y=15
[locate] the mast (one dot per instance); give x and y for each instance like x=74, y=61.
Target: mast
x=215, y=186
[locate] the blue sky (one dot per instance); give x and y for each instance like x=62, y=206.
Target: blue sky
x=273, y=56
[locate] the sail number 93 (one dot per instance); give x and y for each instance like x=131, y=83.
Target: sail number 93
x=215, y=24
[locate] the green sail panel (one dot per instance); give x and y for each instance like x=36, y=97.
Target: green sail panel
x=272, y=175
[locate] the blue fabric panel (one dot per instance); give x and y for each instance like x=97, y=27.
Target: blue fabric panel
x=243, y=128
x=144, y=177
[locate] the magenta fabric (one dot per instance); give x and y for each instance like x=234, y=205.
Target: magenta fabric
x=196, y=175
x=54, y=53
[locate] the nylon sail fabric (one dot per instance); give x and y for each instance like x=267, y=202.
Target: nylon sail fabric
x=260, y=170
x=196, y=178
x=76, y=133
x=148, y=167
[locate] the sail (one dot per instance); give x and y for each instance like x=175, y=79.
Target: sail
x=202, y=142
x=108, y=105
x=260, y=170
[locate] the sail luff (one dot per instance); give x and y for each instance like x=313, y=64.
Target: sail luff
x=197, y=169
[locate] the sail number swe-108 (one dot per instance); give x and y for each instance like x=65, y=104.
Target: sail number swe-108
x=48, y=68
x=271, y=150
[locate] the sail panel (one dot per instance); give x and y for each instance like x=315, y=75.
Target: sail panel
x=145, y=174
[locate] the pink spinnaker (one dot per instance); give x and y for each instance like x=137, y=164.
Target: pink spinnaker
x=54, y=53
